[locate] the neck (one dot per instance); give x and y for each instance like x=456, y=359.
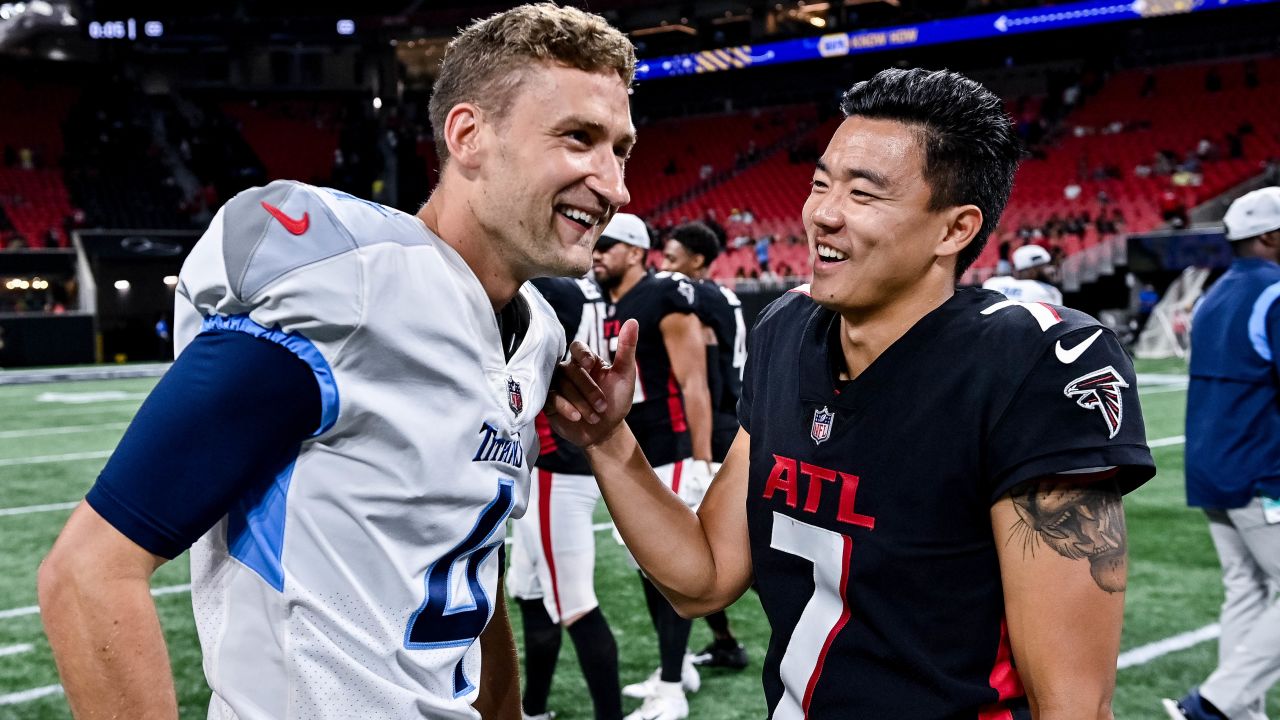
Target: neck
x=866, y=333
x=483, y=253
x=629, y=279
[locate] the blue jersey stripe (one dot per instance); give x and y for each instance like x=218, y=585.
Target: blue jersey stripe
x=296, y=344
x=1258, y=321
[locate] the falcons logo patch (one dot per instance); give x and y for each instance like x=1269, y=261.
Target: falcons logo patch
x=1100, y=390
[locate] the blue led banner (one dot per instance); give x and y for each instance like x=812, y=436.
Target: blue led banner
x=1058, y=17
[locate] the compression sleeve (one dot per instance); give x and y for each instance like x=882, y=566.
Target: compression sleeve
x=222, y=423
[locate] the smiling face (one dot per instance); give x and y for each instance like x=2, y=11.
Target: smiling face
x=872, y=234
x=552, y=172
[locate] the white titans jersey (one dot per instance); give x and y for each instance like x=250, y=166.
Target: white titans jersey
x=357, y=584
x=1024, y=290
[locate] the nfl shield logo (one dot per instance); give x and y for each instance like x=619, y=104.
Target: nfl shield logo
x=820, y=430
x=514, y=397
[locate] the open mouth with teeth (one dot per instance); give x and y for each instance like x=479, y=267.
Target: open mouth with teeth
x=581, y=218
x=829, y=254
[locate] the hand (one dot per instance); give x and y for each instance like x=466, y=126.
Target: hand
x=589, y=397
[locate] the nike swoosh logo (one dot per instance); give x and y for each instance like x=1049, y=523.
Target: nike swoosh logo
x=1066, y=357
x=296, y=227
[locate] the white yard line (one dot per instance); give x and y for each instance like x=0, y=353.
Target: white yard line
x=39, y=459
x=63, y=430
x=29, y=509
x=35, y=609
x=16, y=649
x=1161, y=389
x=29, y=695
x=1146, y=653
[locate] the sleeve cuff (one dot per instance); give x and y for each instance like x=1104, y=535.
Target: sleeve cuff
x=1133, y=463
x=134, y=525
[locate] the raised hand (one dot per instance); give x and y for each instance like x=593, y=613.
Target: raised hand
x=590, y=397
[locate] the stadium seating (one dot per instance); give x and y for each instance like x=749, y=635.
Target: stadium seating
x=668, y=161
x=294, y=139
x=1169, y=118
x=34, y=200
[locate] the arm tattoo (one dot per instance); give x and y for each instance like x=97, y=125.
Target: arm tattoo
x=1078, y=522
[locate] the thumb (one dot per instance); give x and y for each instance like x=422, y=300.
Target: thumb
x=624, y=360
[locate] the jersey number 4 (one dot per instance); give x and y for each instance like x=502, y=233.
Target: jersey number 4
x=824, y=616
x=445, y=620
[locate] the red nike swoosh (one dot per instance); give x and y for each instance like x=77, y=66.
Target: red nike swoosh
x=297, y=227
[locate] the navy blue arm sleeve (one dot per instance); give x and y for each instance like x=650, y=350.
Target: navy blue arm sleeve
x=227, y=417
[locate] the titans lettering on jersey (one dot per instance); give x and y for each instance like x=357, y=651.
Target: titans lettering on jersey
x=869, y=504
x=657, y=411
x=357, y=585
x=580, y=306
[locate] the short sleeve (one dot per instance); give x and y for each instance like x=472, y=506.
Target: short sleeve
x=276, y=264
x=678, y=296
x=1077, y=408
x=223, y=422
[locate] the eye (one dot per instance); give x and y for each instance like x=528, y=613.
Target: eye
x=862, y=194
x=579, y=136
x=817, y=184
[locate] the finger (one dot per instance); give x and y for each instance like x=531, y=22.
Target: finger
x=624, y=360
x=576, y=404
x=581, y=355
x=580, y=380
x=558, y=406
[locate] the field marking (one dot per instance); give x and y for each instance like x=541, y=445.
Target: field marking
x=60, y=430
x=35, y=609
x=1166, y=442
x=16, y=649
x=50, y=507
x=1146, y=653
x=88, y=398
x=1161, y=389
x=29, y=695
x=38, y=459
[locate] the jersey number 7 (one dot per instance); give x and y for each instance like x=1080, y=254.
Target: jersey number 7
x=824, y=616
x=442, y=621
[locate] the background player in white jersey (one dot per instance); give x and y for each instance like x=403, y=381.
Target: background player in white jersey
x=690, y=250
x=343, y=455
x=672, y=417
x=552, y=572
x=1032, y=279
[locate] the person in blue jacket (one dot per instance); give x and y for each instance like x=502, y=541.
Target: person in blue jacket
x=1233, y=458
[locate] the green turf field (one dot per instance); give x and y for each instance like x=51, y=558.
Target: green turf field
x=54, y=438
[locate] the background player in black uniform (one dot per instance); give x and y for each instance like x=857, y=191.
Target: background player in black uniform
x=690, y=250
x=671, y=415
x=926, y=488
x=553, y=553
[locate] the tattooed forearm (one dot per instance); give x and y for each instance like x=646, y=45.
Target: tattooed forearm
x=1078, y=522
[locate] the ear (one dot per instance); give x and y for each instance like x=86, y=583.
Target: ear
x=963, y=224
x=462, y=134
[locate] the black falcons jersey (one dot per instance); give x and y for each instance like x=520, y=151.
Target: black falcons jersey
x=720, y=309
x=580, y=307
x=657, y=411
x=869, y=504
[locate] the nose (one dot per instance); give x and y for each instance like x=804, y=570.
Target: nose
x=826, y=214
x=606, y=179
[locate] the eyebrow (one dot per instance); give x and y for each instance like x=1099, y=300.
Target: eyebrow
x=628, y=141
x=875, y=178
